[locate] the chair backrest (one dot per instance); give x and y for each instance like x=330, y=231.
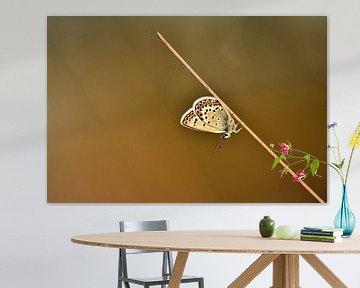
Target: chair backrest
x=138, y=226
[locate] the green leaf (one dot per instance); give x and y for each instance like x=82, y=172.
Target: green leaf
x=336, y=165
x=271, y=145
x=342, y=163
x=339, y=166
x=307, y=157
x=276, y=162
x=314, y=167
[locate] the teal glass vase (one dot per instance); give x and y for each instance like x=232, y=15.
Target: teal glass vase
x=345, y=219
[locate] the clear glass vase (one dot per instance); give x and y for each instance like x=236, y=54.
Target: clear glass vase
x=345, y=219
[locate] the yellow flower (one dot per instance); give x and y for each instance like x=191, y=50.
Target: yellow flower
x=355, y=138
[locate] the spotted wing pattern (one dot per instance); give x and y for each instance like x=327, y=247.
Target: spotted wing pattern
x=210, y=112
x=192, y=121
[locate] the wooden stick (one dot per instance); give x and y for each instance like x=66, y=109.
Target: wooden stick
x=178, y=269
x=324, y=271
x=242, y=123
x=253, y=270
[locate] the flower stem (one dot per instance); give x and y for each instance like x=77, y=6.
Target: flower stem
x=339, y=160
x=351, y=155
x=328, y=164
x=296, y=162
x=313, y=157
x=338, y=146
x=348, y=167
x=333, y=152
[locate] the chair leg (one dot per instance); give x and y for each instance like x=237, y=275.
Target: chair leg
x=120, y=273
x=201, y=283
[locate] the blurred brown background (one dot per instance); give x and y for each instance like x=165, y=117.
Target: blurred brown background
x=116, y=94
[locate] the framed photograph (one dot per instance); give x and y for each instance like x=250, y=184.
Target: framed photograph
x=120, y=104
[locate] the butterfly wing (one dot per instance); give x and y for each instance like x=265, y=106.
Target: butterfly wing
x=210, y=112
x=192, y=121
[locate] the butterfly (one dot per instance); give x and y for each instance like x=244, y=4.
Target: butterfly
x=208, y=115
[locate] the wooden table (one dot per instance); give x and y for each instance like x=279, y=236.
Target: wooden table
x=284, y=254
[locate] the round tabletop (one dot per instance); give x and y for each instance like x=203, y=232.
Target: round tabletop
x=217, y=241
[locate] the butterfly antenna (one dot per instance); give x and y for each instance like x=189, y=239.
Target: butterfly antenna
x=218, y=146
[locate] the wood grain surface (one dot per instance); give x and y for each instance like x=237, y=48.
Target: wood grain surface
x=286, y=271
x=178, y=270
x=217, y=241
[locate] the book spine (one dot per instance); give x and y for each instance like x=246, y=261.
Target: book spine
x=320, y=233
x=319, y=236
x=318, y=239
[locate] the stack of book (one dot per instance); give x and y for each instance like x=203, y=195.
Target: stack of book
x=321, y=234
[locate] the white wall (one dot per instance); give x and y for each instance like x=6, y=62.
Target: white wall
x=35, y=248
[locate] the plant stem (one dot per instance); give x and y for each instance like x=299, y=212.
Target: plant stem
x=296, y=162
x=323, y=162
x=338, y=149
x=313, y=157
x=333, y=152
x=351, y=155
x=338, y=146
x=348, y=167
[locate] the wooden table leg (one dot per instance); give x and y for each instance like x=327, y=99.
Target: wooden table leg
x=253, y=270
x=324, y=271
x=293, y=264
x=286, y=271
x=279, y=271
x=178, y=269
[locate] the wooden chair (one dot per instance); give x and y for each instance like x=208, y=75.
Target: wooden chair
x=167, y=262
